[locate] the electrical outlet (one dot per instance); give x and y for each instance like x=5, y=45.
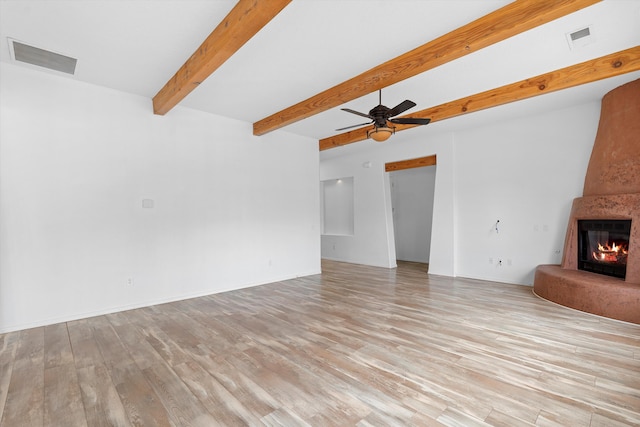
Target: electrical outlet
x=130, y=281
x=499, y=263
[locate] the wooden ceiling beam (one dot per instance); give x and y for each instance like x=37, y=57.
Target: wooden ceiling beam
x=243, y=22
x=411, y=163
x=512, y=19
x=615, y=64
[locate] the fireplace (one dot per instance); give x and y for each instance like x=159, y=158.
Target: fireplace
x=603, y=246
x=600, y=269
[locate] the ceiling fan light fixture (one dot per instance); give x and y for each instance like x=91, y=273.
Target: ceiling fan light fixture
x=381, y=134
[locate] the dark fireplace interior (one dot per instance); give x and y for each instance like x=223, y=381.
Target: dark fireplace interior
x=603, y=246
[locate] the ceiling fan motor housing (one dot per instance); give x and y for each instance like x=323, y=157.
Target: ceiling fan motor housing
x=379, y=114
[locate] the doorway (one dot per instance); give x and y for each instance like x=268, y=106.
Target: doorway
x=412, y=192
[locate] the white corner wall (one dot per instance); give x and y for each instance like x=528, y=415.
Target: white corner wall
x=523, y=171
x=230, y=210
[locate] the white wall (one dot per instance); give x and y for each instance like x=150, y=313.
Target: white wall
x=76, y=161
x=523, y=171
x=412, y=200
x=370, y=220
x=373, y=239
x=336, y=199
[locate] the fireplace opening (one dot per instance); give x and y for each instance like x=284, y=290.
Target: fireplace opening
x=603, y=246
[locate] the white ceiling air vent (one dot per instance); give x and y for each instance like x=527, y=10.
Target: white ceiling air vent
x=580, y=38
x=42, y=58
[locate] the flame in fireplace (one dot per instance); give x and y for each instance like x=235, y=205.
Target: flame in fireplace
x=614, y=253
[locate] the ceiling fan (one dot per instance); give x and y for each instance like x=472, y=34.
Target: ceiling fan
x=380, y=115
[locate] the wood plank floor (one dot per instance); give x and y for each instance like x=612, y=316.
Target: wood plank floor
x=355, y=346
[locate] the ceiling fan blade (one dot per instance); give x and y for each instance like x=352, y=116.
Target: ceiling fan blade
x=410, y=121
x=354, y=126
x=349, y=110
x=401, y=108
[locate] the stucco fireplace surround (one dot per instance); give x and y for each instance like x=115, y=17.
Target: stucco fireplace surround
x=611, y=192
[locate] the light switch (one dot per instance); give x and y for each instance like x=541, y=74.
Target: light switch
x=147, y=203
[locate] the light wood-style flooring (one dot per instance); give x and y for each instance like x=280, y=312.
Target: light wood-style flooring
x=355, y=346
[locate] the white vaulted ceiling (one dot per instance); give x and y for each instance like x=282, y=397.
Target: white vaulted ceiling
x=136, y=46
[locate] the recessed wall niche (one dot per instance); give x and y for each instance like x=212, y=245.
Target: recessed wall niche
x=336, y=206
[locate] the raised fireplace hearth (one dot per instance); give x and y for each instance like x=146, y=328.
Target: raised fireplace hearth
x=600, y=270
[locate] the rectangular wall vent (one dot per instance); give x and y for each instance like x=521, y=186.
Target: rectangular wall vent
x=580, y=38
x=43, y=58
x=585, y=32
